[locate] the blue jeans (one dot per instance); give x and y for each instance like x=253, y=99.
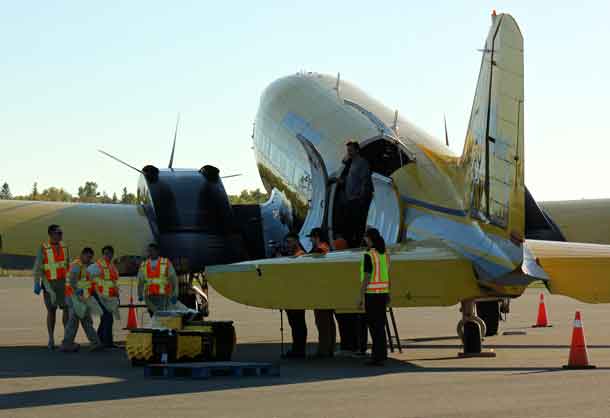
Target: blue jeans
x=104, y=331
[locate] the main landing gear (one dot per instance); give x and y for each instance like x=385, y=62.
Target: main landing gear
x=471, y=330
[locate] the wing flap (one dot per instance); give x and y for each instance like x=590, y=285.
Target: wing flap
x=580, y=271
x=421, y=275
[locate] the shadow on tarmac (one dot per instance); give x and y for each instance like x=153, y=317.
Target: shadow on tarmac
x=32, y=362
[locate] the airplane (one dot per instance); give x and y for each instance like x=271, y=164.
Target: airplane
x=460, y=228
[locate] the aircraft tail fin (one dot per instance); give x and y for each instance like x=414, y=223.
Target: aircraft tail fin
x=492, y=160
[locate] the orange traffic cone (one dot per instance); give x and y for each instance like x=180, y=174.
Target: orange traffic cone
x=542, y=320
x=132, y=321
x=579, y=358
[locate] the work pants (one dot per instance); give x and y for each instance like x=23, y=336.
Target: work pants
x=104, y=331
x=327, y=332
x=375, y=308
x=296, y=319
x=348, y=333
x=72, y=328
x=362, y=333
x=357, y=213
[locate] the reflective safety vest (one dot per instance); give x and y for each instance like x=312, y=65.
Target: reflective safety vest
x=84, y=281
x=157, y=280
x=54, y=261
x=380, y=279
x=106, y=283
x=324, y=248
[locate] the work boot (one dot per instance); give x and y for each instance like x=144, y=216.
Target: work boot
x=69, y=348
x=293, y=354
x=93, y=348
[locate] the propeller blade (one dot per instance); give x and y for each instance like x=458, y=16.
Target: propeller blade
x=120, y=161
x=171, y=158
x=446, y=134
x=230, y=175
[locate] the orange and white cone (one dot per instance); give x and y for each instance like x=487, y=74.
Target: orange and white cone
x=579, y=358
x=542, y=320
x=132, y=321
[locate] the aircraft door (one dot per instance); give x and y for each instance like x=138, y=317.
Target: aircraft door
x=318, y=202
x=384, y=212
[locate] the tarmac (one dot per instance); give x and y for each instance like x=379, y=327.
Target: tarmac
x=428, y=379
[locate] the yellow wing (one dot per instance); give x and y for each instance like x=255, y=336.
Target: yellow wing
x=23, y=227
x=421, y=274
x=580, y=271
x=586, y=220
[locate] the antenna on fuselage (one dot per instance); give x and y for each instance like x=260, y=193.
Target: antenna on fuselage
x=395, y=124
x=446, y=134
x=120, y=161
x=171, y=158
x=338, y=83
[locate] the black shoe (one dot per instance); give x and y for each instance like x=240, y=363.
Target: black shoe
x=319, y=356
x=293, y=354
x=374, y=363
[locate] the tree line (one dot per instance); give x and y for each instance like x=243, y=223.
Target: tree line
x=89, y=193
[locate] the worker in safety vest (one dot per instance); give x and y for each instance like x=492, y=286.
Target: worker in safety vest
x=375, y=292
x=157, y=282
x=50, y=272
x=79, y=298
x=106, y=277
x=296, y=317
x=325, y=319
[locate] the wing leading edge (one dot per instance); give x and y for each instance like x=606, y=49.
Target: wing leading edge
x=422, y=274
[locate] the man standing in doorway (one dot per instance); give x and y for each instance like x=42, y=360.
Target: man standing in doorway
x=50, y=273
x=358, y=186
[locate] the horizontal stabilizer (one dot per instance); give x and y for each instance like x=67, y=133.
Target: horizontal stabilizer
x=580, y=271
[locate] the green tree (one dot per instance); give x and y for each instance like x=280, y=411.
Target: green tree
x=88, y=193
x=34, y=195
x=114, y=198
x=249, y=197
x=128, y=198
x=104, y=198
x=5, y=192
x=53, y=194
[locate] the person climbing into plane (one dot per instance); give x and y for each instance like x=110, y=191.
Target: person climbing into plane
x=296, y=317
x=357, y=186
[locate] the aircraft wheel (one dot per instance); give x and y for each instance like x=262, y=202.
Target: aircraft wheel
x=489, y=312
x=472, y=337
x=479, y=321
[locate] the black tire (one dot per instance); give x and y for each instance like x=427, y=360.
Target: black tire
x=489, y=312
x=225, y=342
x=472, y=338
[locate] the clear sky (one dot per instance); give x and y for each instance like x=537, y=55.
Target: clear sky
x=78, y=76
